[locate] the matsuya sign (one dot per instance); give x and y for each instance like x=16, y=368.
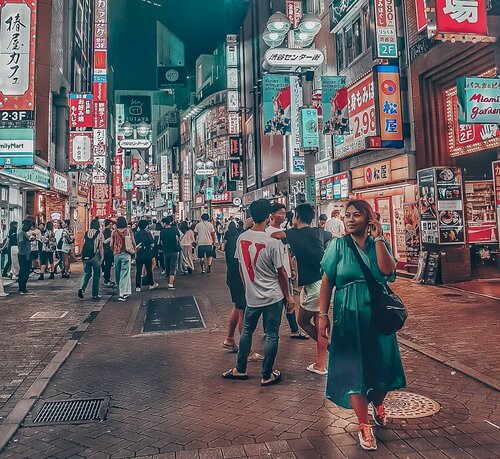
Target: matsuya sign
x=478, y=100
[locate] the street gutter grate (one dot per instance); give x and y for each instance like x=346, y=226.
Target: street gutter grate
x=71, y=411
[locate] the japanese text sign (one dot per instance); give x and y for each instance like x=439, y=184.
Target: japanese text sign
x=461, y=16
x=389, y=103
x=101, y=24
x=80, y=111
x=80, y=148
x=478, y=100
x=17, y=54
x=235, y=147
x=385, y=29
x=421, y=9
x=235, y=172
x=117, y=176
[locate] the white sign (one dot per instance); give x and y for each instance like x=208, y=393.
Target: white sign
x=237, y=201
x=99, y=142
x=204, y=172
x=15, y=34
x=100, y=162
x=81, y=146
x=99, y=176
x=323, y=169
x=164, y=168
x=234, y=123
x=232, y=78
x=59, y=182
x=135, y=143
x=233, y=101
x=285, y=58
x=142, y=182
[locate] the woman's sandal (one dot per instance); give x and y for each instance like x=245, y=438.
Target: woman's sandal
x=229, y=374
x=276, y=375
x=230, y=347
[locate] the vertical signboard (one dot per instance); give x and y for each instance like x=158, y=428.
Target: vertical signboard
x=297, y=161
x=80, y=148
x=334, y=105
x=496, y=192
x=421, y=8
x=386, y=40
x=277, y=106
x=294, y=12
x=389, y=105
x=427, y=203
x=80, y=111
x=450, y=206
x=17, y=54
x=101, y=201
x=232, y=73
x=309, y=127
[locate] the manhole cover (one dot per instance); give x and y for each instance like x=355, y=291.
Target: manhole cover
x=406, y=405
x=169, y=314
x=75, y=411
x=49, y=315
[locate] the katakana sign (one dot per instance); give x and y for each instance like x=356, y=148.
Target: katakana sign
x=385, y=29
x=285, y=58
x=478, y=100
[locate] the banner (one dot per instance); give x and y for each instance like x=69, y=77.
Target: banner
x=117, y=176
x=297, y=162
x=309, y=127
x=389, y=103
x=276, y=100
x=17, y=54
x=80, y=148
x=478, y=100
x=334, y=105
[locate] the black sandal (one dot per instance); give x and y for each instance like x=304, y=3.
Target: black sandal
x=230, y=375
x=276, y=374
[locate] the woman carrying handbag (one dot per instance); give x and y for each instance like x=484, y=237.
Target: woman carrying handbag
x=365, y=363
x=123, y=246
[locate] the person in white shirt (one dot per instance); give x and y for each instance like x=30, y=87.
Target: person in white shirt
x=205, y=238
x=335, y=225
x=266, y=290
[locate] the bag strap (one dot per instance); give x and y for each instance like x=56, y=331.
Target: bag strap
x=373, y=285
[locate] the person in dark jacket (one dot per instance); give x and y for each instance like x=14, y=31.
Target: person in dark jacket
x=145, y=245
x=12, y=267
x=24, y=256
x=108, y=258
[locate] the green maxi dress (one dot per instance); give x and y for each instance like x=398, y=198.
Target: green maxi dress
x=361, y=359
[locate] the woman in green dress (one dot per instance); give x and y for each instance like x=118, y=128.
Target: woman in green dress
x=364, y=364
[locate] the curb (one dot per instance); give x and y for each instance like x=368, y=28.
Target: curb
x=16, y=417
x=455, y=365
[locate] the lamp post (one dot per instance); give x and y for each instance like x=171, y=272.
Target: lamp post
x=141, y=130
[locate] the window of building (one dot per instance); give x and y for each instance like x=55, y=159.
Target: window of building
x=357, y=44
x=367, y=28
x=349, y=53
x=340, y=51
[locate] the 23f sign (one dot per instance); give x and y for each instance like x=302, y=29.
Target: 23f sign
x=16, y=115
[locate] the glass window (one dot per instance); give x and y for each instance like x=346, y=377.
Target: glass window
x=367, y=32
x=357, y=37
x=340, y=51
x=349, y=51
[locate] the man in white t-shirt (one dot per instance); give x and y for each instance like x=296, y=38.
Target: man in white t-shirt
x=278, y=217
x=266, y=290
x=335, y=225
x=205, y=238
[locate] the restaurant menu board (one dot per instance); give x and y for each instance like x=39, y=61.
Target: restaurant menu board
x=412, y=232
x=427, y=203
x=450, y=206
x=432, y=268
x=480, y=212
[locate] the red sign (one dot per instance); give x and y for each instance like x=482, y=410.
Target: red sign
x=100, y=60
x=420, y=6
x=101, y=209
x=100, y=115
x=101, y=192
x=235, y=147
x=101, y=25
x=221, y=197
x=496, y=182
x=235, y=172
x=80, y=148
x=80, y=111
x=467, y=138
x=294, y=11
x=17, y=62
x=99, y=89
x=117, y=176
x=461, y=17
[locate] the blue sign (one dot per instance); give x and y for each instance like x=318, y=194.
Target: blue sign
x=209, y=193
x=309, y=125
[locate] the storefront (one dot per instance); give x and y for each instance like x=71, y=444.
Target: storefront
x=225, y=205
x=390, y=187
x=332, y=193
x=269, y=192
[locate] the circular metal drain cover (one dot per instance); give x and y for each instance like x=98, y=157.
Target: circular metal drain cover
x=407, y=405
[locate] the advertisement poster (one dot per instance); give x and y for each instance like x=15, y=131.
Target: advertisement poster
x=309, y=128
x=297, y=162
x=450, y=206
x=334, y=105
x=412, y=232
x=250, y=152
x=428, y=206
x=273, y=155
x=220, y=182
x=17, y=54
x=389, y=103
x=200, y=184
x=276, y=99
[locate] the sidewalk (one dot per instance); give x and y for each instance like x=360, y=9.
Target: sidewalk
x=167, y=394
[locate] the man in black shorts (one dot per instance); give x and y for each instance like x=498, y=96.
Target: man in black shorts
x=205, y=238
x=170, y=244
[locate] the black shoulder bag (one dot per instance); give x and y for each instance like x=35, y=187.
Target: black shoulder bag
x=388, y=311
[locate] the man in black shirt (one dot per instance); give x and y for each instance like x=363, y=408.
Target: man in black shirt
x=108, y=258
x=308, y=246
x=171, y=246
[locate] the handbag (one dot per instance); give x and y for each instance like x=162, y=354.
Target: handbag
x=129, y=246
x=388, y=310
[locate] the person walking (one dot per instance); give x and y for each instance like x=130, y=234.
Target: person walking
x=278, y=217
x=335, y=225
x=144, y=242
x=92, y=254
x=107, y=257
x=48, y=247
x=67, y=240
x=307, y=245
x=123, y=246
x=266, y=291
x=364, y=364
x=24, y=256
x=35, y=235
x=188, y=242
x=205, y=238
x=170, y=246
x=11, y=269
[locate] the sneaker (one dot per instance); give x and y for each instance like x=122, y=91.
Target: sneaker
x=97, y=297
x=202, y=271
x=122, y=298
x=163, y=271
x=190, y=271
x=366, y=438
x=379, y=415
x=152, y=287
x=209, y=268
x=51, y=277
x=41, y=277
x=170, y=287
x=138, y=289
x=25, y=292
x=80, y=294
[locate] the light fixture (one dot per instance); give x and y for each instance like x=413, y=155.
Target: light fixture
x=310, y=23
x=303, y=39
x=127, y=129
x=143, y=129
x=278, y=23
x=200, y=164
x=273, y=39
x=209, y=164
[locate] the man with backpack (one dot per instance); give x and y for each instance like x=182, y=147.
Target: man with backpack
x=92, y=253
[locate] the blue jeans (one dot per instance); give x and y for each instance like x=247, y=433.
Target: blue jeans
x=272, y=320
x=122, y=273
x=92, y=269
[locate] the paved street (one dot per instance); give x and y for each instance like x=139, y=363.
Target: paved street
x=168, y=400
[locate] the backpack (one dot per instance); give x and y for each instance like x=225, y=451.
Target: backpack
x=88, y=250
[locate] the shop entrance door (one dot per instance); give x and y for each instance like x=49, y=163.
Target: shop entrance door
x=384, y=207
